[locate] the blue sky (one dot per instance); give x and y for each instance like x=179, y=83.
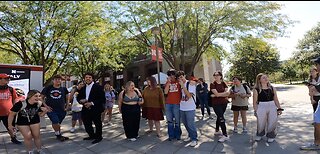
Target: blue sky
x=308, y=15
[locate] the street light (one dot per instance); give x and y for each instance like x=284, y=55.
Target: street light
x=156, y=31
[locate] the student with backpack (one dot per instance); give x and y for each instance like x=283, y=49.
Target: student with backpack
x=7, y=99
x=240, y=94
x=28, y=114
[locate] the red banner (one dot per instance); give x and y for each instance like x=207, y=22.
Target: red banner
x=154, y=53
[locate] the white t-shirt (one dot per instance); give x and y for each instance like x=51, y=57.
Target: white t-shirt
x=190, y=104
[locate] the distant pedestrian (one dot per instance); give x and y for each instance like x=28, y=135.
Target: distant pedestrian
x=110, y=99
x=219, y=103
x=76, y=107
x=202, y=94
x=153, y=105
x=91, y=96
x=129, y=102
x=266, y=108
x=316, y=116
x=56, y=100
x=28, y=114
x=241, y=94
x=8, y=96
x=172, y=92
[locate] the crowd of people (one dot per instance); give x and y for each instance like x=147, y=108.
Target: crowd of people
x=91, y=102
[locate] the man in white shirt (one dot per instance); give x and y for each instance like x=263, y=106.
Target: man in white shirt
x=188, y=107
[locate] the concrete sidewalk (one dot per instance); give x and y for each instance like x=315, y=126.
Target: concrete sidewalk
x=295, y=129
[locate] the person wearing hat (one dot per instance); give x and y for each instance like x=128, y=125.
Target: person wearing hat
x=316, y=116
x=7, y=99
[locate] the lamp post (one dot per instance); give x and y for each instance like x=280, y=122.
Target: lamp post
x=156, y=31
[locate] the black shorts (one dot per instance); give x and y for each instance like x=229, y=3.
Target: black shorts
x=238, y=108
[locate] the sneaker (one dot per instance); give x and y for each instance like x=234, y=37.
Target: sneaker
x=235, y=130
x=244, y=130
x=217, y=133
x=258, y=138
x=311, y=146
x=193, y=143
x=72, y=130
x=30, y=152
x=270, y=140
x=62, y=138
x=187, y=139
x=132, y=139
x=15, y=141
x=223, y=139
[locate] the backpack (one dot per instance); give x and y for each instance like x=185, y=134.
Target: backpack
x=24, y=105
x=244, y=86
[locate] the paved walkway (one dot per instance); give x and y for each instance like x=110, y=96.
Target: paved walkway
x=295, y=129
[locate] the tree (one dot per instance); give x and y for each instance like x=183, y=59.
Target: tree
x=252, y=56
x=188, y=29
x=9, y=58
x=46, y=32
x=289, y=70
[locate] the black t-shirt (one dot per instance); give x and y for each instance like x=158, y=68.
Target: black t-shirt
x=55, y=97
x=27, y=116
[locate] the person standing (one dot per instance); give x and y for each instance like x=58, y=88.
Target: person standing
x=266, y=108
x=188, y=107
x=316, y=116
x=202, y=94
x=91, y=96
x=314, y=94
x=219, y=103
x=28, y=119
x=129, y=103
x=110, y=98
x=172, y=92
x=56, y=98
x=7, y=99
x=76, y=107
x=153, y=106
x=241, y=94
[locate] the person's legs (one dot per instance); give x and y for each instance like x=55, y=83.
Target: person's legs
x=177, y=125
x=216, y=111
x=109, y=114
x=190, y=124
x=150, y=123
x=54, y=118
x=169, y=117
x=205, y=100
x=272, y=121
x=27, y=136
x=87, y=121
x=4, y=120
x=35, y=130
x=136, y=121
x=103, y=114
x=183, y=119
x=235, y=119
x=261, y=119
x=202, y=104
x=244, y=118
x=157, y=124
x=96, y=118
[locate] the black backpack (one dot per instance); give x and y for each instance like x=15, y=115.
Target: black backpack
x=245, y=87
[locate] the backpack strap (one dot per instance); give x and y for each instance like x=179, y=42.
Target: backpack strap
x=246, y=88
x=11, y=91
x=188, y=83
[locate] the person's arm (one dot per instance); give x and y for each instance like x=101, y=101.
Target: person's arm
x=10, y=120
x=166, y=88
x=43, y=96
x=68, y=99
x=226, y=93
x=276, y=101
x=140, y=96
x=161, y=98
x=42, y=111
x=255, y=100
x=120, y=99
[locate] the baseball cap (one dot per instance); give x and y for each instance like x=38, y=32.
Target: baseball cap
x=317, y=60
x=4, y=76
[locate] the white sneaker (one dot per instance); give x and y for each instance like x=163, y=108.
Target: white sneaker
x=223, y=139
x=193, y=143
x=270, y=140
x=258, y=138
x=235, y=130
x=217, y=133
x=72, y=130
x=133, y=139
x=187, y=139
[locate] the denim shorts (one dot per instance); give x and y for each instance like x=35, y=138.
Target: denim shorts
x=76, y=115
x=56, y=117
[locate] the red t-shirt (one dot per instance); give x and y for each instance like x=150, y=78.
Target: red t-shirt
x=6, y=101
x=174, y=93
x=220, y=89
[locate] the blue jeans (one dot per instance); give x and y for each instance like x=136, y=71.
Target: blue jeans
x=187, y=118
x=173, y=119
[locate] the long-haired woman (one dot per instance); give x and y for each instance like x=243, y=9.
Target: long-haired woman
x=28, y=120
x=314, y=95
x=266, y=108
x=110, y=98
x=153, y=104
